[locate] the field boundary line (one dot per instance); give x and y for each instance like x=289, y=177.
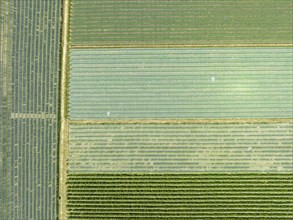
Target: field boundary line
x=62, y=212
x=183, y=121
x=178, y=46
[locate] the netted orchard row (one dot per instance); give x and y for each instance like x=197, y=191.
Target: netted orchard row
x=33, y=109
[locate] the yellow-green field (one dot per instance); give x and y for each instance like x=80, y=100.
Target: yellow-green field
x=185, y=22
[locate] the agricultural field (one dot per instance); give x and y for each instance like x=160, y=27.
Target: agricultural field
x=185, y=22
x=180, y=196
x=146, y=109
x=30, y=106
x=189, y=147
x=181, y=83
x=178, y=109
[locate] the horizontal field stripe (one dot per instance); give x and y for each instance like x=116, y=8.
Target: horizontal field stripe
x=180, y=147
x=184, y=176
x=203, y=195
x=185, y=121
x=181, y=83
x=145, y=22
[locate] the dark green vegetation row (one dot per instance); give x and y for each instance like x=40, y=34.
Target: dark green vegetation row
x=184, y=196
x=181, y=83
x=172, y=22
x=30, y=50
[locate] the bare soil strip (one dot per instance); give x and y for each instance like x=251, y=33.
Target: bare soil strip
x=64, y=124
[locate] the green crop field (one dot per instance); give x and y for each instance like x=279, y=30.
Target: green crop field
x=180, y=196
x=179, y=110
x=181, y=83
x=172, y=22
x=6, y=24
